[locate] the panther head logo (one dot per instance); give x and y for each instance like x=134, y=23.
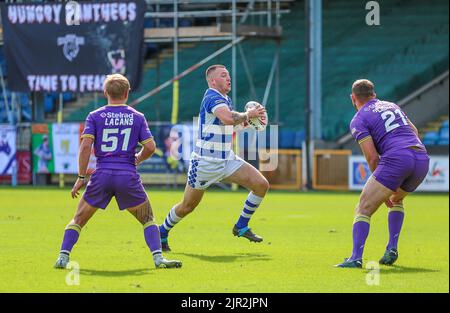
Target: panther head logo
x=71, y=45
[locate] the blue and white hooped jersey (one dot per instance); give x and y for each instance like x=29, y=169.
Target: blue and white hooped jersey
x=214, y=138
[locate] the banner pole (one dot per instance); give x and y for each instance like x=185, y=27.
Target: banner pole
x=59, y=120
x=175, y=103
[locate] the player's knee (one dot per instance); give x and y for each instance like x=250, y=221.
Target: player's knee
x=361, y=210
x=261, y=186
x=264, y=185
x=80, y=219
x=396, y=200
x=365, y=208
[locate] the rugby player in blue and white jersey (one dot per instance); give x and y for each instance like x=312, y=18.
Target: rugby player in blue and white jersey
x=213, y=160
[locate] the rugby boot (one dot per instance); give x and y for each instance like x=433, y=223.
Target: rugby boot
x=389, y=257
x=246, y=233
x=164, y=263
x=62, y=261
x=350, y=264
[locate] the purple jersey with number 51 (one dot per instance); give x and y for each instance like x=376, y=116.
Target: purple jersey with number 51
x=116, y=130
x=387, y=125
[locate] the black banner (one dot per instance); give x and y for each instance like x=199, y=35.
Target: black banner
x=71, y=46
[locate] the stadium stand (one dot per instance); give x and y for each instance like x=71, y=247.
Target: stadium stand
x=399, y=56
x=436, y=133
x=404, y=49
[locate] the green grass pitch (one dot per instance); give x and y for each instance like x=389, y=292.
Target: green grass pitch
x=305, y=234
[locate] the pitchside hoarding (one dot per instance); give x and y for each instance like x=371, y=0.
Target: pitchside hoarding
x=66, y=143
x=437, y=178
x=438, y=175
x=42, y=149
x=55, y=149
x=71, y=46
x=7, y=149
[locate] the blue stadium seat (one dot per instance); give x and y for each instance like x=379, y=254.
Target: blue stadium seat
x=3, y=65
x=25, y=106
x=431, y=138
x=27, y=114
x=68, y=96
x=49, y=103
x=2, y=62
x=55, y=96
x=443, y=142
x=166, y=22
x=8, y=94
x=148, y=22
x=299, y=138
x=3, y=117
x=24, y=99
x=151, y=47
x=445, y=124
x=287, y=138
x=184, y=23
x=443, y=133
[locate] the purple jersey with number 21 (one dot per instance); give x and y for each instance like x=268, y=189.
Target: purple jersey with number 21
x=403, y=158
x=116, y=130
x=386, y=124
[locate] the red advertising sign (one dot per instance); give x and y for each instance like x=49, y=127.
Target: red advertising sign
x=24, y=167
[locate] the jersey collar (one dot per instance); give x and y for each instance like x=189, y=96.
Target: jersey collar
x=371, y=101
x=225, y=96
x=117, y=105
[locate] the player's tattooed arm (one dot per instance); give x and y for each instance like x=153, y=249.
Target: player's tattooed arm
x=228, y=117
x=238, y=117
x=235, y=118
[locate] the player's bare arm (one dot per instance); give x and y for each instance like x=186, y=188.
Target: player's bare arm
x=370, y=153
x=147, y=151
x=228, y=117
x=83, y=161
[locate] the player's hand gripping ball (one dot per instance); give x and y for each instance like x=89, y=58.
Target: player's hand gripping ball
x=258, y=123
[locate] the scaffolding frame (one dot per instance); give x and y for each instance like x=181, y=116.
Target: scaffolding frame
x=233, y=33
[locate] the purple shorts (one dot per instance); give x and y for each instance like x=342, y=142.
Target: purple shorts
x=406, y=170
x=126, y=186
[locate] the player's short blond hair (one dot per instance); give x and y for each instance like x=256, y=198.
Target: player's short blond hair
x=363, y=89
x=211, y=69
x=116, y=86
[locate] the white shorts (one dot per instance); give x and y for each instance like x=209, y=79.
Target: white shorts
x=205, y=171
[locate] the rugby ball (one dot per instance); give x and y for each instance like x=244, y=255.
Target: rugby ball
x=258, y=123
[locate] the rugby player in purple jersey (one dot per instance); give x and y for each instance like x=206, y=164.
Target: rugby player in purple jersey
x=398, y=160
x=115, y=130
